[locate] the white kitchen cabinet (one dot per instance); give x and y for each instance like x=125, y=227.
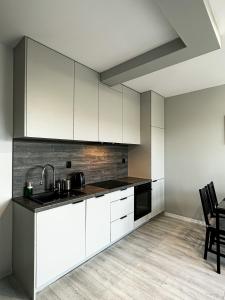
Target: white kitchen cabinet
x=121, y=227
x=157, y=153
x=110, y=114
x=97, y=224
x=86, y=104
x=157, y=110
x=60, y=241
x=122, y=207
x=158, y=201
x=131, y=116
x=43, y=92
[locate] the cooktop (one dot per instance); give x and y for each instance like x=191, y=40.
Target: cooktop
x=110, y=184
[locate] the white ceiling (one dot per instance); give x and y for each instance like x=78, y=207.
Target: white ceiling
x=99, y=34
x=104, y=33
x=198, y=73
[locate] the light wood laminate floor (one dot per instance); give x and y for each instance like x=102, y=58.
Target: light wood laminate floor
x=160, y=260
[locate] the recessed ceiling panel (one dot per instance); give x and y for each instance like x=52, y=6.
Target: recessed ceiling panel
x=99, y=34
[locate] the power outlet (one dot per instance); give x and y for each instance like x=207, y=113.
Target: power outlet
x=68, y=164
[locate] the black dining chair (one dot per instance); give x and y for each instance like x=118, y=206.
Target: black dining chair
x=210, y=221
x=213, y=198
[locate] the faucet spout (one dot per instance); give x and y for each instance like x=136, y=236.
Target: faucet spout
x=43, y=173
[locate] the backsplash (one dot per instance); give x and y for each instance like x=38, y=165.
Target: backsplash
x=98, y=161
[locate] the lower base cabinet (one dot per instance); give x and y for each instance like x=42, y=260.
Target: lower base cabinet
x=60, y=240
x=158, y=202
x=121, y=227
x=97, y=224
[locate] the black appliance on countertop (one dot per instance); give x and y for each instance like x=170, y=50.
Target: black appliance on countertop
x=142, y=200
x=77, y=180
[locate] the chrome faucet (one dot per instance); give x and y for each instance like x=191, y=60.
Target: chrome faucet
x=43, y=172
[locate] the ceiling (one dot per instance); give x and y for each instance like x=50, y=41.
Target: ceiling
x=201, y=72
x=103, y=33
x=99, y=34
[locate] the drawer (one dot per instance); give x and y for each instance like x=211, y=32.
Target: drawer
x=122, y=194
x=127, y=192
x=122, y=207
x=121, y=227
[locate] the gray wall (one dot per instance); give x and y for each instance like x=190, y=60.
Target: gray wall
x=98, y=161
x=194, y=148
x=6, y=60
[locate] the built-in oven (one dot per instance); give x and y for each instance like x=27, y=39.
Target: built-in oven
x=142, y=200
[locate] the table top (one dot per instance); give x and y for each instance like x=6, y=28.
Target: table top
x=221, y=207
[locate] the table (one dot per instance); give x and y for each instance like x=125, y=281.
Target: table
x=220, y=210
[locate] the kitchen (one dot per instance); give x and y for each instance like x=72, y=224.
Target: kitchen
x=96, y=166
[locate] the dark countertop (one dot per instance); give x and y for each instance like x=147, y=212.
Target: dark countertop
x=89, y=192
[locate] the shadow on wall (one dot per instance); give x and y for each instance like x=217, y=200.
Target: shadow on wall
x=6, y=132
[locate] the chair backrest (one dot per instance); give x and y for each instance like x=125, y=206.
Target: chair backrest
x=206, y=206
x=212, y=194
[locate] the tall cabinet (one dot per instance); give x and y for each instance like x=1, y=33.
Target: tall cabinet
x=147, y=159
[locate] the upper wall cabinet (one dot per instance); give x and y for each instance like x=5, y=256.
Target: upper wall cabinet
x=43, y=92
x=110, y=115
x=86, y=104
x=131, y=116
x=157, y=110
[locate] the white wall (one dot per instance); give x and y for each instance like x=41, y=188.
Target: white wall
x=6, y=86
x=194, y=148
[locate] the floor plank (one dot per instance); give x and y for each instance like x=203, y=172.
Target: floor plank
x=160, y=260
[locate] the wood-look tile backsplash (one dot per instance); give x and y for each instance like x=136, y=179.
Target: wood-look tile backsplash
x=98, y=161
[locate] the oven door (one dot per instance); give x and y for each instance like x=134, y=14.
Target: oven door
x=142, y=201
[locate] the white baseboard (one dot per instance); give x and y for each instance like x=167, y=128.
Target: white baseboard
x=186, y=219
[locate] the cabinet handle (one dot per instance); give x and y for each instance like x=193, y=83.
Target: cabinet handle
x=123, y=217
x=100, y=196
x=124, y=189
x=123, y=198
x=77, y=202
x=154, y=180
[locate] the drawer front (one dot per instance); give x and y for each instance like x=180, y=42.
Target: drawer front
x=127, y=192
x=122, y=194
x=121, y=227
x=122, y=207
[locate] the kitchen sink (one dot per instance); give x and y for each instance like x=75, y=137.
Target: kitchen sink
x=49, y=197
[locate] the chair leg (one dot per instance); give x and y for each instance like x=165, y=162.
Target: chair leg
x=211, y=240
x=206, y=243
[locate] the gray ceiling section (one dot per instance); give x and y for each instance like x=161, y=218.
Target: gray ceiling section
x=193, y=22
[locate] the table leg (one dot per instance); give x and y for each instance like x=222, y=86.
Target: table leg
x=218, y=242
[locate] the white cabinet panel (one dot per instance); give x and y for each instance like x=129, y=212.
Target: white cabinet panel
x=157, y=110
x=121, y=227
x=49, y=93
x=131, y=116
x=97, y=224
x=122, y=207
x=157, y=153
x=110, y=115
x=158, y=201
x=86, y=104
x=60, y=240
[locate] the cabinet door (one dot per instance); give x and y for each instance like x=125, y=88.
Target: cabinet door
x=97, y=224
x=60, y=241
x=158, y=204
x=131, y=116
x=157, y=153
x=157, y=110
x=110, y=115
x=49, y=100
x=86, y=104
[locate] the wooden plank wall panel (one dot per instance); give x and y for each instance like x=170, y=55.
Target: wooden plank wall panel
x=97, y=161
